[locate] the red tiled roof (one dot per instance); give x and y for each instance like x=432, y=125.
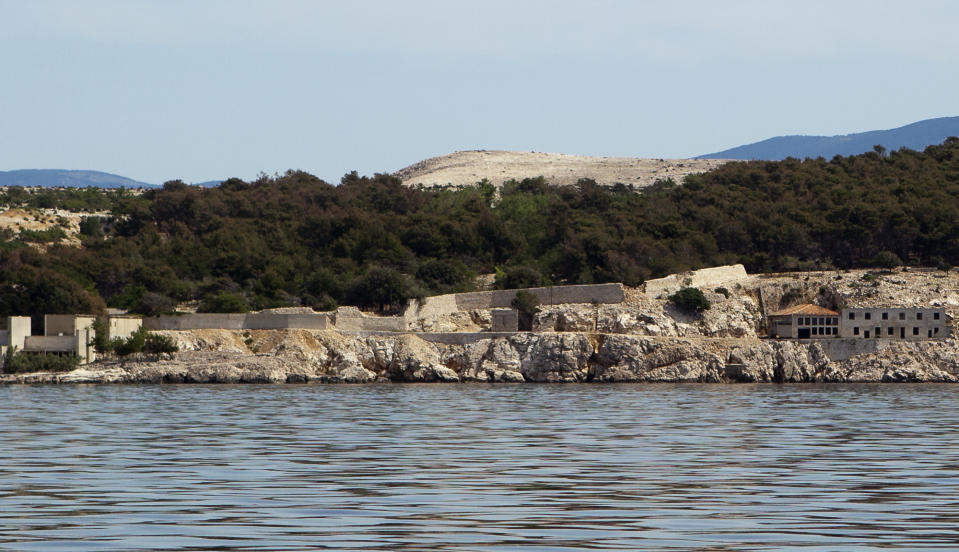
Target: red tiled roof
x=807, y=308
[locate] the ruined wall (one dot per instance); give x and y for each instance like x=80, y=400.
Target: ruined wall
x=350, y=318
x=706, y=278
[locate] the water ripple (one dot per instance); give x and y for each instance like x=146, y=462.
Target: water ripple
x=462, y=467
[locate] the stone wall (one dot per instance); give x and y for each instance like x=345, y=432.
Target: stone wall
x=350, y=318
x=499, y=299
x=238, y=321
x=842, y=349
x=50, y=343
x=706, y=278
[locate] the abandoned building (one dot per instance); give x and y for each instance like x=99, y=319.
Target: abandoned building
x=815, y=322
x=894, y=323
x=62, y=334
x=803, y=322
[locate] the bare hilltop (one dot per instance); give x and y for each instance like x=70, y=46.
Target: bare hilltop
x=466, y=168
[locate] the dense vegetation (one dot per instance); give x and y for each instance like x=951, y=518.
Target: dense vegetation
x=19, y=362
x=294, y=239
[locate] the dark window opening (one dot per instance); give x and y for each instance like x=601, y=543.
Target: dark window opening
x=855, y=331
x=885, y=316
x=852, y=316
x=902, y=333
x=889, y=330
x=868, y=316
x=935, y=316
x=866, y=334
x=902, y=316
x=915, y=330
x=878, y=333
x=918, y=316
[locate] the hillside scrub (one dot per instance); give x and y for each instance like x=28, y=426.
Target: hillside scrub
x=296, y=240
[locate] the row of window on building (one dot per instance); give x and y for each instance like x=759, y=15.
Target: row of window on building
x=812, y=321
x=891, y=332
x=885, y=315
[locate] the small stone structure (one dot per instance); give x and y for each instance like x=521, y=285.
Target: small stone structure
x=504, y=320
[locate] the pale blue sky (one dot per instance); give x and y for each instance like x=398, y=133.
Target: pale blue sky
x=202, y=90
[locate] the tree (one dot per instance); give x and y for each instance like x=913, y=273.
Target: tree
x=519, y=277
x=527, y=305
x=382, y=288
x=690, y=300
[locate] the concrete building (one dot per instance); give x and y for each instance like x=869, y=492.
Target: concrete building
x=63, y=334
x=894, y=323
x=803, y=322
x=66, y=324
x=14, y=331
x=123, y=325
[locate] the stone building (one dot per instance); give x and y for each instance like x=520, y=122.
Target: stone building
x=803, y=322
x=894, y=323
x=815, y=322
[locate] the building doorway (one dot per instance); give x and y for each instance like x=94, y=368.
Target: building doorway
x=803, y=333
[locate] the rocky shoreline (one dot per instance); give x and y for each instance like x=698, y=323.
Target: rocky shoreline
x=304, y=356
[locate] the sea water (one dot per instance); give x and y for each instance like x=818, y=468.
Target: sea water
x=479, y=467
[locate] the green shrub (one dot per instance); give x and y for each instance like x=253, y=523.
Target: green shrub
x=23, y=362
x=519, y=277
x=131, y=345
x=722, y=291
x=886, y=259
x=690, y=300
x=49, y=235
x=155, y=344
x=223, y=301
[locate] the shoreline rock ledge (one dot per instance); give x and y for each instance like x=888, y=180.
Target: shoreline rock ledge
x=304, y=356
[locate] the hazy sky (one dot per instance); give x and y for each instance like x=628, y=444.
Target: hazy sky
x=203, y=90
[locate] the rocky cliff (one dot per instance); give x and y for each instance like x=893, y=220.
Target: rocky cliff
x=642, y=339
x=290, y=356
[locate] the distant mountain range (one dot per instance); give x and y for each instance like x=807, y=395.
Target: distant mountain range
x=916, y=136
x=58, y=178
x=54, y=178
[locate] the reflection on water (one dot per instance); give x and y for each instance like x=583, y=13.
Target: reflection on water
x=437, y=467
